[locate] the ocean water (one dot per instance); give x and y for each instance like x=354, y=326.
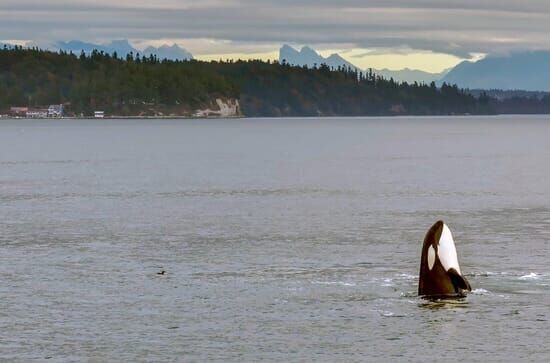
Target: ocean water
x=282, y=239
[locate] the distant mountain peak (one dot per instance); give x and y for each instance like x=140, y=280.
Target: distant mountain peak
x=166, y=46
x=123, y=47
x=338, y=57
x=166, y=51
x=309, y=57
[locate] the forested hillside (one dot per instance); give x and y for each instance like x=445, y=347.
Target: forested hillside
x=37, y=78
x=32, y=77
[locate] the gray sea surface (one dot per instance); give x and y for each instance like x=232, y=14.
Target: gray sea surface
x=282, y=239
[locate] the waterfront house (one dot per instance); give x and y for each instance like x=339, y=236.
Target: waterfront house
x=55, y=111
x=19, y=111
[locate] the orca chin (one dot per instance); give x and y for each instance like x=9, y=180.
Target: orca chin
x=445, y=298
x=440, y=275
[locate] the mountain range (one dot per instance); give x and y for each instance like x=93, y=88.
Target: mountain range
x=528, y=71
x=123, y=48
x=311, y=58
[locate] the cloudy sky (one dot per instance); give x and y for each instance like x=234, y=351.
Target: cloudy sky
x=423, y=34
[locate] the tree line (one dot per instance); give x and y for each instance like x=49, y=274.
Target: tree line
x=134, y=84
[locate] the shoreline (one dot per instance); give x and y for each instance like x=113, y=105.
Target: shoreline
x=3, y=117
x=121, y=118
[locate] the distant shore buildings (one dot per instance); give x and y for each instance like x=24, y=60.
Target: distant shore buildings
x=53, y=111
x=37, y=113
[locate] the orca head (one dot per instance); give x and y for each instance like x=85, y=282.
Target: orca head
x=440, y=272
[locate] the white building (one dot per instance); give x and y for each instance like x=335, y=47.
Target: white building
x=55, y=111
x=37, y=114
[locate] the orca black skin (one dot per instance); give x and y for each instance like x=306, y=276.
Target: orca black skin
x=440, y=275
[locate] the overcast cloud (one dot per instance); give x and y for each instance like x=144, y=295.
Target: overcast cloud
x=454, y=27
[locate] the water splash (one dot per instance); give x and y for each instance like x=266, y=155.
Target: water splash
x=531, y=276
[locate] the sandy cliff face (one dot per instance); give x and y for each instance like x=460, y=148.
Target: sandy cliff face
x=221, y=108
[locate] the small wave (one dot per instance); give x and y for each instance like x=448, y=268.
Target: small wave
x=387, y=283
x=480, y=291
x=408, y=276
x=253, y=192
x=486, y=274
x=66, y=161
x=531, y=276
x=342, y=283
x=409, y=294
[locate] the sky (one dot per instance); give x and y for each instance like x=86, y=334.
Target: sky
x=430, y=35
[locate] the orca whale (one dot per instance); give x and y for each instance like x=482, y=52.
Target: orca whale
x=440, y=274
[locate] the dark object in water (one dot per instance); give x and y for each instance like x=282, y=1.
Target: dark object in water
x=440, y=275
x=161, y=273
